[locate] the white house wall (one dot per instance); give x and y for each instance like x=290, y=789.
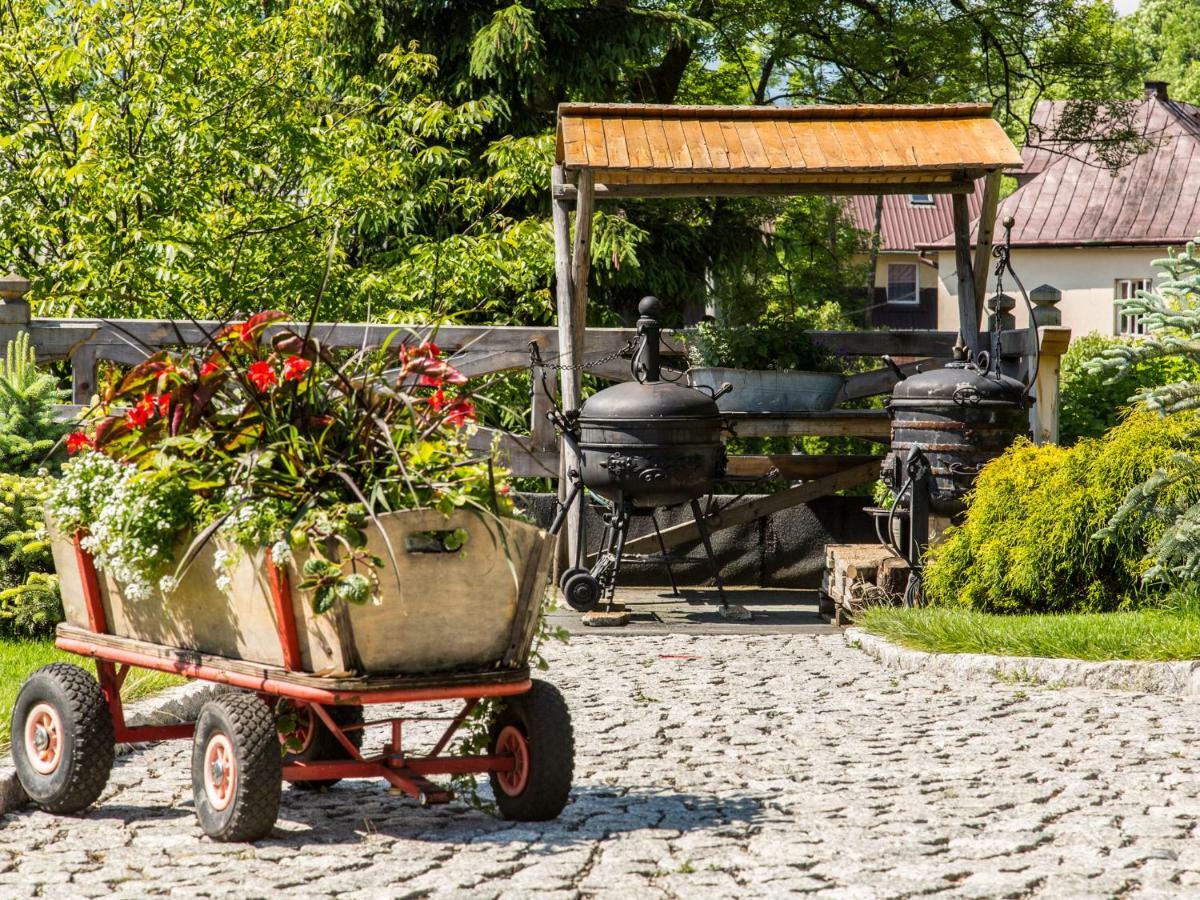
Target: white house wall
x=1086, y=276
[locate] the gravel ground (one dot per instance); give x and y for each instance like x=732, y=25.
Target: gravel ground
x=710, y=766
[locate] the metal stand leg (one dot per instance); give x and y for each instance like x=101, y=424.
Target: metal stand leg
x=662, y=546
x=727, y=611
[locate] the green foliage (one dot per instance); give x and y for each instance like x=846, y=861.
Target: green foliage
x=29, y=430
x=1169, y=499
x=1031, y=540
x=29, y=600
x=777, y=344
x=1091, y=401
x=1167, y=30
x=204, y=157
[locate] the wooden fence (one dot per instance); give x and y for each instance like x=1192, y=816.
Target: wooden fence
x=484, y=350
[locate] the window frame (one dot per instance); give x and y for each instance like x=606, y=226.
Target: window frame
x=926, y=201
x=1137, y=326
x=916, y=283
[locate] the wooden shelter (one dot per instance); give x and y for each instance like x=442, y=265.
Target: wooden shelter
x=609, y=151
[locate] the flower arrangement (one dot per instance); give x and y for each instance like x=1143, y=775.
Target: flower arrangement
x=278, y=443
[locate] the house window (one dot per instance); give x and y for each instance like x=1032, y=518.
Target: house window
x=920, y=199
x=902, y=283
x=1130, y=324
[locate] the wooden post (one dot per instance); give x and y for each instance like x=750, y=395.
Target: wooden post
x=568, y=350
x=968, y=306
x=1052, y=344
x=983, y=238
x=14, y=309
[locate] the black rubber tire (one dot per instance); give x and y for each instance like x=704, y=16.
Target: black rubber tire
x=249, y=725
x=542, y=716
x=325, y=746
x=568, y=574
x=582, y=592
x=87, y=738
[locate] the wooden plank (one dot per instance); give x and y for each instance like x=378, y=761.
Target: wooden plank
x=1054, y=340
x=695, y=145
x=637, y=144
x=58, y=338
x=758, y=508
x=872, y=424
x=581, y=256
x=714, y=142
x=773, y=146
x=794, y=466
x=968, y=306
x=738, y=158
x=677, y=144
x=570, y=387
x=614, y=144
x=656, y=141
x=597, y=147
x=881, y=381
x=364, y=685
x=983, y=238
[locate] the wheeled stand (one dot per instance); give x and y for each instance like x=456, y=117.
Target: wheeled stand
x=585, y=589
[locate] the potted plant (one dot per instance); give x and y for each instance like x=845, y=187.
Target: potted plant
x=773, y=366
x=202, y=477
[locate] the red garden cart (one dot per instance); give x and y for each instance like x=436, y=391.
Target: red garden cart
x=66, y=724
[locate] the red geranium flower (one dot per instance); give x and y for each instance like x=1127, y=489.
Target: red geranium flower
x=295, y=367
x=438, y=400
x=460, y=413
x=140, y=414
x=164, y=404
x=77, y=440
x=209, y=368
x=261, y=375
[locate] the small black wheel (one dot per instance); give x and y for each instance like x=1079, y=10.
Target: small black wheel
x=62, y=738
x=582, y=592
x=535, y=729
x=568, y=575
x=237, y=776
x=318, y=743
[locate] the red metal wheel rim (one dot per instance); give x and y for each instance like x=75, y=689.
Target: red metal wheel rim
x=44, y=738
x=303, y=733
x=220, y=772
x=511, y=742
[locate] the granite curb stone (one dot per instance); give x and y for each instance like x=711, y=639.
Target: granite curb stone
x=1180, y=678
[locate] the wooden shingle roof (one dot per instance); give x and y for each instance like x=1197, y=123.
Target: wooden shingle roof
x=1074, y=200
x=646, y=150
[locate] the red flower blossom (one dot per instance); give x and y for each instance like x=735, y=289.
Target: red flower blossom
x=504, y=489
x=460, y=413
x=209, y=368
x=164, y=404
x=77, y=440
x=140, y=414
x=295, y=367
x=261, y=375
x=438, y=400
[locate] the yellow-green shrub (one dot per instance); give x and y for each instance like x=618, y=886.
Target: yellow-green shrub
x=1028, y=542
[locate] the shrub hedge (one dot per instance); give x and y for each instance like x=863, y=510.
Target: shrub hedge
x=30, y=603
x=1028, y=542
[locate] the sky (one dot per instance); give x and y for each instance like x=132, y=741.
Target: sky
x=1125, y=7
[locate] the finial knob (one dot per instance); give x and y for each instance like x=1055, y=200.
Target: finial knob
x=649, y=307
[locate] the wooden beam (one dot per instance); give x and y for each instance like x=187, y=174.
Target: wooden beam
x=872, y=424
x=569, y=388
x=581, y=258
x=968, y=307
x=762, y=189
x=881, y=381
x=759, y=507
x=1053, y=341
x=794, y=466
x=983, y=238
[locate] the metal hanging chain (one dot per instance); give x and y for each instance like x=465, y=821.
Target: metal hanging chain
x=535, y=359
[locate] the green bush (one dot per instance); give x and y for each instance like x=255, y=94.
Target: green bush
x=29, y=430
x=29, y=599
x=1029, y=541
x=1092, y=402
x=770, y=344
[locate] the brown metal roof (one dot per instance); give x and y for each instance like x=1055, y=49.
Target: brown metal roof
x=630, y=146
x=905, y=227
x=1152, y=201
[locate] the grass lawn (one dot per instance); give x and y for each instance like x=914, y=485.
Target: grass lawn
x=19, y=658
x=1149, y=634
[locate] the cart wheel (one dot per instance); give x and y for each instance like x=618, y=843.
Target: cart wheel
x=318, y=743
x=568, y=574
x=62, y=738
x=582, y=592
x=236, y=768
x=535, y=729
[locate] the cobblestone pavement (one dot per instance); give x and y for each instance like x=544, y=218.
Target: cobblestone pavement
x=711, y=766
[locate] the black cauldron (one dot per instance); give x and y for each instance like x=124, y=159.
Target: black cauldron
x=650, y=442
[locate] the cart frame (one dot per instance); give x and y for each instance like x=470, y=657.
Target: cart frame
x=115, y=656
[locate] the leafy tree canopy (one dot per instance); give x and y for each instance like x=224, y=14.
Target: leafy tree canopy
x=1167, y=29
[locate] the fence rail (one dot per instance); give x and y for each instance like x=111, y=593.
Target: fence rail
x=486, y=350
